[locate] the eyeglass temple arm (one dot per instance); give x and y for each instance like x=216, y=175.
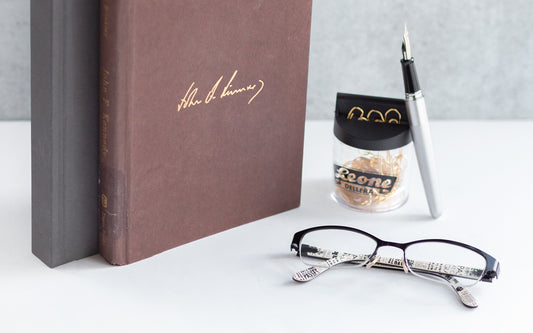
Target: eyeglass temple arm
x=466, y=298
x=336, y=258
x=396, y=264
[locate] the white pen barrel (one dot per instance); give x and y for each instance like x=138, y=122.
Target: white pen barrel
x=419, y=125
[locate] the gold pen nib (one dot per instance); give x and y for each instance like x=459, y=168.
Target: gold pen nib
x=406, y=47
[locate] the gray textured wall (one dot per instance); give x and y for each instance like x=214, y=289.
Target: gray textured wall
x=14, y=59
x=474, y=58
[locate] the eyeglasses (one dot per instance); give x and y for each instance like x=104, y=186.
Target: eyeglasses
x=455, y=264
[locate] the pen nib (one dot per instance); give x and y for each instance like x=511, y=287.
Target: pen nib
x=406, y=47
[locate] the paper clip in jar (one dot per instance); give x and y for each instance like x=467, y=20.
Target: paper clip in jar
x=371, y=152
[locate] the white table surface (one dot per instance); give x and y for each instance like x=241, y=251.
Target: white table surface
x=240, y=280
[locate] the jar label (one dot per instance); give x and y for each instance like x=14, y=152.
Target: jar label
x=362, y=182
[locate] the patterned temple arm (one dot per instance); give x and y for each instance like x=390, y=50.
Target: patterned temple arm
x=333, y=258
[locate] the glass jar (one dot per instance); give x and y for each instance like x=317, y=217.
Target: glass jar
x=371, y=152
x=369, y=180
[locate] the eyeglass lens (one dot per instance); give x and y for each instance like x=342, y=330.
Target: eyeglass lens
x=316, y=247
x=436, y=260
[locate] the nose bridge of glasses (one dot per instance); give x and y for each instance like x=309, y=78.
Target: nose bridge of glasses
x=391, y=244
x=390, y=255
x=391, y=250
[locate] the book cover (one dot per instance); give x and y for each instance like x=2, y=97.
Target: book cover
x=202, y=118
x=64, y=129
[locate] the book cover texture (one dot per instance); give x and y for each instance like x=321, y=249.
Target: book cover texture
x=202, y=118
x=64, y=129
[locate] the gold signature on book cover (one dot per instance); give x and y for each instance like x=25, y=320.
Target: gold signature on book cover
x=190, y=100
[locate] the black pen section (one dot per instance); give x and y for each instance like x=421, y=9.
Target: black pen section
x=410, y=79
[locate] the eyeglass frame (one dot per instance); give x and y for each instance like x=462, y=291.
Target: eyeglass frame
x=491, y=271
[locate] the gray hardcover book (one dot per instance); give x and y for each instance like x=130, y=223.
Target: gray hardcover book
x=64, y=129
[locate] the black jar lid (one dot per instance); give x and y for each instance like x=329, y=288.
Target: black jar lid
x=371, y=123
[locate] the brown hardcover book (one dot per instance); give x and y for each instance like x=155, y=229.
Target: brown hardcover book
x=202, y=118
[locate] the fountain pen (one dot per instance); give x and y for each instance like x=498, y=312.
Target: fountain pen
x=419, y=126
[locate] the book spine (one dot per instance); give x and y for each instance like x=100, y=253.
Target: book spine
x=43, y=210
x=64, y=127
x=114, y=82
